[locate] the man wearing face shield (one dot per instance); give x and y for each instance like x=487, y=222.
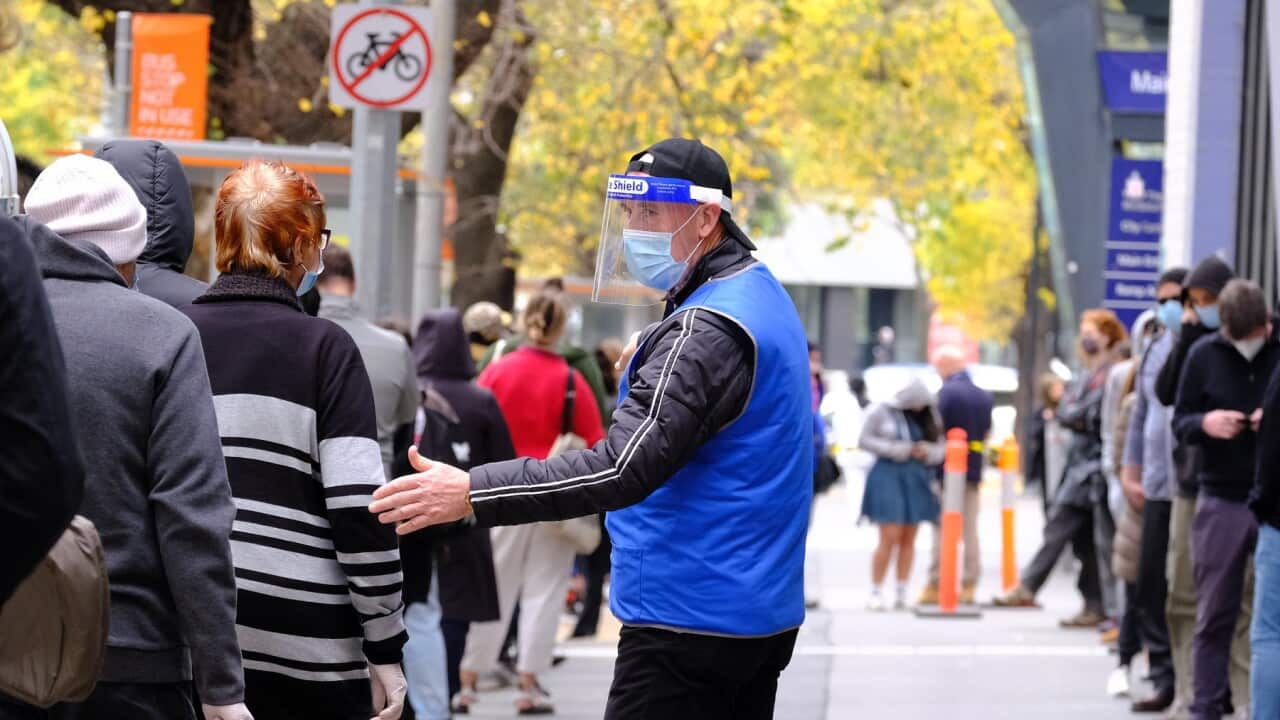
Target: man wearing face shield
x=706, y=471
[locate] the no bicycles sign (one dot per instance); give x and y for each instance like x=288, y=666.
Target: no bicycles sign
x=379, y=57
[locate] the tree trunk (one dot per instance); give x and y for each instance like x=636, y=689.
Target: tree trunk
x=483, y=265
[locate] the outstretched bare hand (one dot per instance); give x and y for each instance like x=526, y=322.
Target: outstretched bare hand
x=436, y=494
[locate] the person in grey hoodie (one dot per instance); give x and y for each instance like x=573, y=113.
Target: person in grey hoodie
x=155, y=174
x=156, y=483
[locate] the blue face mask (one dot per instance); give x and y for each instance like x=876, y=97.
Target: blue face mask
x=1209, y=316
x=648, y=257
x=1170, y=313
x=309, y=278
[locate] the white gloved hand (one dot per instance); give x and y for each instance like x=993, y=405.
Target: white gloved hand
x=388, y=691
x=226, y=712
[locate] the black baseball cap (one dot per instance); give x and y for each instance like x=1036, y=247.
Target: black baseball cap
x=689, y=159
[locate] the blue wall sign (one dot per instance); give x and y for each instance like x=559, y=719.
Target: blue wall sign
x=1134, y=82
x=1133, y=241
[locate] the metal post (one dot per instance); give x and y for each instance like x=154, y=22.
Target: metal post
x=435, y=152
x=374, y=136
x=122, y=82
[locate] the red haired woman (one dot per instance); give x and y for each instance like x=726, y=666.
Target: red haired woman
x=1080, y=504
x=318, y=577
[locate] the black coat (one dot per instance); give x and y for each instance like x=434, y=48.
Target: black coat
x=1217, y=377
x=966, y=406
x=41, y=473
x=156, y=176
x=477, y=434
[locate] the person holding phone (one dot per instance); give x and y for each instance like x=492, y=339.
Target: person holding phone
x=1218, y=409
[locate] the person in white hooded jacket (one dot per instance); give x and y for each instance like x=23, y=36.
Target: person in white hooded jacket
x=905, y=435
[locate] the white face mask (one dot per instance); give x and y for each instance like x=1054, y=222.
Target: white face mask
x=1249, y=348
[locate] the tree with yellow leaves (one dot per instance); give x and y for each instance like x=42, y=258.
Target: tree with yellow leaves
x=917, y=103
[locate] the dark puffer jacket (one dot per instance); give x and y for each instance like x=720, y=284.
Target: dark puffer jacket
x=155, y=174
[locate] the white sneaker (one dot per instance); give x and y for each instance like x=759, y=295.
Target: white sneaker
x=1118, y=682
x=875, y=603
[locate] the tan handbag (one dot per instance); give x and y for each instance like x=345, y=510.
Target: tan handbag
x=582, y=532
x=53, y=630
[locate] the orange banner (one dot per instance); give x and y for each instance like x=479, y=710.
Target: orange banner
x=170, y=76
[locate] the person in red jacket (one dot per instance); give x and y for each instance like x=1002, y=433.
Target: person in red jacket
x=541, y=398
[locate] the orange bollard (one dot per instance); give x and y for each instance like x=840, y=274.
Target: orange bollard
x=1008, y=477
x=952, y=529
x=952, y=519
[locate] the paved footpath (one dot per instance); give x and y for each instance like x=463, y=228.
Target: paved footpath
x=852, y=663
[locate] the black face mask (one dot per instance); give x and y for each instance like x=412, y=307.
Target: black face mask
x=1090, y=346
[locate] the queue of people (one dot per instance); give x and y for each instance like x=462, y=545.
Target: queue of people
x=229, y=448
x=1170, y=461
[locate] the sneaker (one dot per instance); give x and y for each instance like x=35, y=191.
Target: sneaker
x=462, y=702
x=875, y=603
x=1085, y=619
x=968, y=593
x=534, y=702
x=900, y=601
x=1110, y=636
x=1118, y=682
x=1017, y=597
x=929, y=596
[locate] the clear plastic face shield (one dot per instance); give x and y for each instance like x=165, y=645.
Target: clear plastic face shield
x=647, y=237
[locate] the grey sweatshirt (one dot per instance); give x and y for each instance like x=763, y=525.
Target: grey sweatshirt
x=155, y=483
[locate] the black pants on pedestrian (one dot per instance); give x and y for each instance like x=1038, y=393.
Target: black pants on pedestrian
x=1129, y=644
x=664, y=675
x=1153, y=591
x=114, y=701
x=455, y=644
x=596, y=568
x=1068, y=524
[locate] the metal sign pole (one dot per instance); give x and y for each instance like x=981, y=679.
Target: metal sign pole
x=122, y=90
x=374, y=137
x=435, y=152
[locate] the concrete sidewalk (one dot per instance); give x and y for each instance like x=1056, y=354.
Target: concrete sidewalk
x=852, y=663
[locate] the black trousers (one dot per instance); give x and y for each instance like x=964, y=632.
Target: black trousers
x=1129, y=644
x=1153, y=590
x=114, y=701
x=664, y=675
x=1074, y=526
x=596, y=568
x=455, y=644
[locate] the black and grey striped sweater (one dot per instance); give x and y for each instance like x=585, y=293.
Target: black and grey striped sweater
x=318, y=577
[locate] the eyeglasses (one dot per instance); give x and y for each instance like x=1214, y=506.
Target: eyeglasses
x=324, y=238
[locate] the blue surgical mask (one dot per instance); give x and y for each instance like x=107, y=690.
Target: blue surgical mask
x=309, y=278
x=1209, y=316
x=648, y=257
x=1170, y=313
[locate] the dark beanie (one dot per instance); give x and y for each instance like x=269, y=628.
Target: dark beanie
x=1174, y=275
x=1211, y=274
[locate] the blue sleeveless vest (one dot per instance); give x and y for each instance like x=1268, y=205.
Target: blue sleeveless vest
x=719, y=548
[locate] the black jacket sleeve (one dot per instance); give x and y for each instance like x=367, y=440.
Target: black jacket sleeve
x=1265, y=498
x=41, y=473
x=1167, y=380
x=694, y=377
x=1189, y=406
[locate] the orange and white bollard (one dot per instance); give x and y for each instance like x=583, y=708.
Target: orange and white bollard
x=952, y=530
x=1008, y=478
